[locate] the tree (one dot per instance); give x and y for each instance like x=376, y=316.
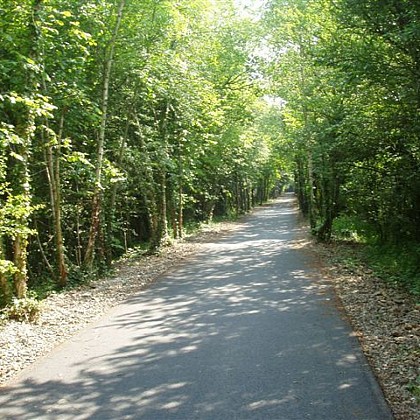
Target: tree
x=96, y=200
x=167, y=134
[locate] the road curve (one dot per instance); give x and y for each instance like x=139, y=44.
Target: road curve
x=246, y=330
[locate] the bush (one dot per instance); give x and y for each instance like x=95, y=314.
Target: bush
x=23, y=310
x=351, y=228
x=394, y=263
x=397, y=264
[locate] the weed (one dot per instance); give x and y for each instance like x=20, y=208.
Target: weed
x=414, y=387
x=26, y=309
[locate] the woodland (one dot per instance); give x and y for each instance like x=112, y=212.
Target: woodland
x=126, y=123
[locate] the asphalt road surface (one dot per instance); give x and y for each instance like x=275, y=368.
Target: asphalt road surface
x=246, y=330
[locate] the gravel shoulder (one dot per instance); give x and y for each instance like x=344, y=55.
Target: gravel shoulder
x=385, y=319
x=64, y=314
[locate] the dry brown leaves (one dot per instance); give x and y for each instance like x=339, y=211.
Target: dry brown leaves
x=387, y=321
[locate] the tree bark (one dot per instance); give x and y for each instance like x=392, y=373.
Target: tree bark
x=20, y=261
x=59, y=241
x=161, y=236
x=149, y=193
x=53, y=171
x=97, y=192
x=180, y=210
x=311, y=201
x=25, y=130
x=114, y=190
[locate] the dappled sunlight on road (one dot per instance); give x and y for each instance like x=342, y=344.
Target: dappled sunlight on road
x=245, y=330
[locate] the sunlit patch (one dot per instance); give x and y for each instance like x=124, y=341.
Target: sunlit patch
x=346, y=360
x=150, y=393
x=300, y=244
x=269, y=403
x=188, y=349
x=172, y=404
x=177, y=385
x=237, y=299
x=256, y=311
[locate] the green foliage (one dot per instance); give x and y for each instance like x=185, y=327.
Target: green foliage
x=394, y=264
x=353, y=229
x=414, y=388
x=397, y=264
x=348, y=75
x=202, y=113
x=173, y=95
x=23, y=310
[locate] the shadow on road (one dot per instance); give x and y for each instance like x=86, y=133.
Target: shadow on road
x=246, y=330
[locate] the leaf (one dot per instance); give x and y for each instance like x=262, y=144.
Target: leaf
x=17, y=156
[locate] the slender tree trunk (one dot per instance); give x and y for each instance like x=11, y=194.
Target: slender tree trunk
x=267, y=188
x=149, y=193
x=174, y=215
x=25, y=130
x=311, y=200
x=261, y=189
x=114, y=190
x=161, y=236
x=79, y=257
x=62, y=266
x=41, y=250
x=300, y=179
x=21, y=237
x=237, y=196
x=180, y=210
x=20, y=261
x=97, y=193
x=53, y=171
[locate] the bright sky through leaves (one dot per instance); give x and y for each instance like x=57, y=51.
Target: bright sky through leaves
x=250, y=8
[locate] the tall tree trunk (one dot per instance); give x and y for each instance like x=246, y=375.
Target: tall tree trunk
x=53, y=171
x=301, y=190
x=97, y=192
x=25, y=129
x=161, y=236
x=21, y=238
x=331, y=189
x=113, y=198
x=310, y=192
x=149, y=193
x=180, y=210
x=59, y=241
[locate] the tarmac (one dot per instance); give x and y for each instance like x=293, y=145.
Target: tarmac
x=247, y=329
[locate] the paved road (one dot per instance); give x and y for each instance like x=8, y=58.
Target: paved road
x=247, y=330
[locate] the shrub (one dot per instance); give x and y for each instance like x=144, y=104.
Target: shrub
x=23, y=310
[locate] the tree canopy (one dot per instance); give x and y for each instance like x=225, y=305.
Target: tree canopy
x=349, y=73
x=122, y=121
